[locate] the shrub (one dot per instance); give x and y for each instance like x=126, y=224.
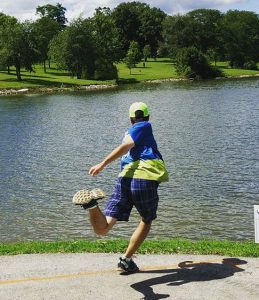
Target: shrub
x=105, y=70
x=250, y=65
x=191, y=63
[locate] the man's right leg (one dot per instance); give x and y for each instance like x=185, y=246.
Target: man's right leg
x=101, y=224
x=137, y=238
x=126, y=263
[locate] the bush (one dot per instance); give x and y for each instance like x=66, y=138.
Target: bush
x=191, y=63
x=105, y=70
x=250, y=65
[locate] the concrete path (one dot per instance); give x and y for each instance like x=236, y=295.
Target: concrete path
x=94, y=276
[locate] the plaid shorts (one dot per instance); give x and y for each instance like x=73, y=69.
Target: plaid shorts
x=130, y=192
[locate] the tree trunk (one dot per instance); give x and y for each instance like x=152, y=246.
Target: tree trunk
x=8, y=69
x=44, y=65
x=18, y=71
x=49, y=63
x=79, y=72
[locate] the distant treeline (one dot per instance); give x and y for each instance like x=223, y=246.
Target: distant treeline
x=89, y=47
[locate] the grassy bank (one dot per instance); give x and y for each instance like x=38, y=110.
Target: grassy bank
x=227, y=71
x=180, y=246
x=153, y=70
x=53, y=78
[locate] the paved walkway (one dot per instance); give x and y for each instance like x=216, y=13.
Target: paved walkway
x=94, y=276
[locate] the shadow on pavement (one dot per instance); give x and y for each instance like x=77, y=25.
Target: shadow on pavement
x=187, y=272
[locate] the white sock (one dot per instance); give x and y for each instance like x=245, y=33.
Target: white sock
x=126, y=258
x=93, y=206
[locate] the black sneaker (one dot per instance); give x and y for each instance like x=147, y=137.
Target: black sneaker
x=127, y=265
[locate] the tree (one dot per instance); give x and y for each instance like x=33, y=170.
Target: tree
x=5, y=56
x=207, y=29
x=240, y=31
x=178, y=32
x=133, y=55
x=150, y=30
x=106, y=35
x=191, y=62
x=108, y=47
x=126, y=16
x=199, y=28
x=44, y=30
x=17, y=44
x=138, y=22
x=74, y=49
x=54, y=12
x=58, y=50
x=146, y=52
x=130, y=60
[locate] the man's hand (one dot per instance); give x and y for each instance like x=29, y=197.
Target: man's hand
x=95, y=170
x=116, y=153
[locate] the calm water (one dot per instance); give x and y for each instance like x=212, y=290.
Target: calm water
x=207, y=132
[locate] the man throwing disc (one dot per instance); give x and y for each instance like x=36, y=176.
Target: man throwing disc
x=142, y=169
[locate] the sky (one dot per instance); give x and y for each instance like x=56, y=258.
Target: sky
x=25, y=9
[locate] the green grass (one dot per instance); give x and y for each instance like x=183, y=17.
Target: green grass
x=53, y=78
x=223, y=66
x=154, y=69
x=173, y=246
x=162, y=68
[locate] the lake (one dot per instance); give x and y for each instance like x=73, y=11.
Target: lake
x=207, y=132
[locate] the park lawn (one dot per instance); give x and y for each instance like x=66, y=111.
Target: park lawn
x=161, y=68
x=154, y=69
x=223, y=66
x=53, y=78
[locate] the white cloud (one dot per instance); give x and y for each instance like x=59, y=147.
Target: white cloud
x=26, y=9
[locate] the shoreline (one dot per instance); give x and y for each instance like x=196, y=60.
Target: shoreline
x=52, y=90
x=97, y=87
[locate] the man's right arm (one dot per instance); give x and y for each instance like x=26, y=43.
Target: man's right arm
x=116, y=153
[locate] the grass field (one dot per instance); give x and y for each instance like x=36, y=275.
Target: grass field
x=53, y=78
x=154, y=69
x=162, y=68
x=180, y=246
x=223, y=66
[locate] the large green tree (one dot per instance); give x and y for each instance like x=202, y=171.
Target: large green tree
x=106, y=35
x=17, y=44
x=44, y=30
x=178, y=32
x=198, y=28
x=240, y=30
x=138, y=22
x=89, y=47
x=74, y=49
x=5, y=56
x=207, y=29
x=55, y=12
x=150, y=31
x=108, y=47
